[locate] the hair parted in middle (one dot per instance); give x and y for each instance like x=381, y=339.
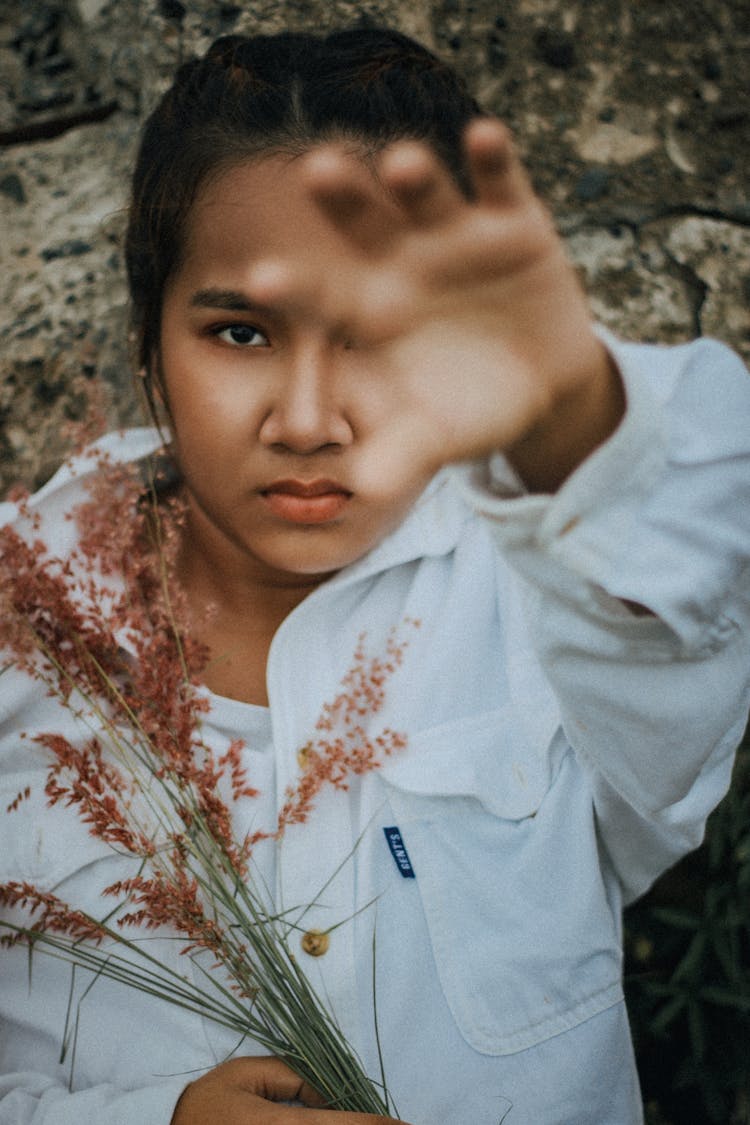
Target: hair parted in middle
x=253, y=96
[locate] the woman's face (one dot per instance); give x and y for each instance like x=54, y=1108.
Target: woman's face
x=281, y=430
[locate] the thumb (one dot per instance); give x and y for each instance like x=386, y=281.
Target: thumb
x=270, y=1078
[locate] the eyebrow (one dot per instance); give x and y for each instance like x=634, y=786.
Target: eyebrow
x=231, y=300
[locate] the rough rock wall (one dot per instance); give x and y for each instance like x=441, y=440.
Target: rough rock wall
x=634, y=119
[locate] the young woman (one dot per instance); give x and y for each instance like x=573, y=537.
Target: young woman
x=387, y=405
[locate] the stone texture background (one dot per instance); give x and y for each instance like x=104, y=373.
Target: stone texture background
x=634, y=119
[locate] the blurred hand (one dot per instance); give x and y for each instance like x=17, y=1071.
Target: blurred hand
x=469, y=308
x=247, y=1091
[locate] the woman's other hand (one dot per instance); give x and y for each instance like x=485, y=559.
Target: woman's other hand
x=251, y=1090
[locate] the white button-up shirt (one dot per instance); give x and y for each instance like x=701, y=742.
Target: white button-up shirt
x=562, y=749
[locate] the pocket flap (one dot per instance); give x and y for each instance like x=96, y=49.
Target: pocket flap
x=39, y=844
x=498, y=758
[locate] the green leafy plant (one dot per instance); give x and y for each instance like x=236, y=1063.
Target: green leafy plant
x=688, y=974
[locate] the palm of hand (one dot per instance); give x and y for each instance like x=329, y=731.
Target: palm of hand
x=470, y=309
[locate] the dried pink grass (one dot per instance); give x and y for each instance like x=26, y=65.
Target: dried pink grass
x=107, y=631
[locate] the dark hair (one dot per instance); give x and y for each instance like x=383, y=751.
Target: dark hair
x=278, y=93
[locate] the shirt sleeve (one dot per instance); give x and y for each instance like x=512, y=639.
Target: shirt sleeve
x=28, y=1098
x=638, y=569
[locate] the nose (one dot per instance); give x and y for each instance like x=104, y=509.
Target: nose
x=306, y=414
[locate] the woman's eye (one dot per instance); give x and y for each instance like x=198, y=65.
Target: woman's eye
x=242, y=336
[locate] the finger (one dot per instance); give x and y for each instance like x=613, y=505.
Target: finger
x=272, y=1079
x=497, y=173
x=348, y=195
x=266, y=1077
x=490, y=246
x=350, y=306
x=279, y=285
x=303, y=294
x=421, y=183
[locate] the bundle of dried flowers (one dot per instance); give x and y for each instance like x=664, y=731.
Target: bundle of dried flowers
x=106, y=631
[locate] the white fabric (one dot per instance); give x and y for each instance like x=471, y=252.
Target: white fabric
x=542, y=786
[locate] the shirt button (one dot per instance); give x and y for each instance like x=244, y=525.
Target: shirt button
x=315, y=942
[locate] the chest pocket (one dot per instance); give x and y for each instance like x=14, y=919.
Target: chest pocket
x=52, y=849
x=502, y=840
x=145, y=1036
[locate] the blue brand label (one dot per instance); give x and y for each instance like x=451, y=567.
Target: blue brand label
x=399, y=852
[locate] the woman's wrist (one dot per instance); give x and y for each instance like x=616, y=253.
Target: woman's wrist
x=573, y=427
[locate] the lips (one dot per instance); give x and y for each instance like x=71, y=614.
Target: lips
x=306, y=502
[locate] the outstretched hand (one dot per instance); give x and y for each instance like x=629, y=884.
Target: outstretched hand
x=470, y=305
x=251, y=1089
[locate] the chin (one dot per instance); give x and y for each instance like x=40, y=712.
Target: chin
x=313, y=565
